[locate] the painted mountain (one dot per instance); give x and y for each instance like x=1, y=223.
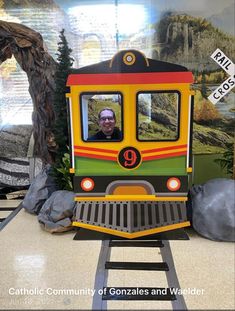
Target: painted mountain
x=190, y=41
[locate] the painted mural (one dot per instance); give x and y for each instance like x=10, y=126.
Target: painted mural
x=182, y=32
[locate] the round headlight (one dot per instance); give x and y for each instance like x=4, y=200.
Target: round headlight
x=173, y=184
x=87, y=184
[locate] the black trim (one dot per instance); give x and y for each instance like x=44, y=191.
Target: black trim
x=191, y=133
x=91, y=235
x=158, y=183
x=140, y=65
x=69, y=129
x=178, y=112
x=81, y=114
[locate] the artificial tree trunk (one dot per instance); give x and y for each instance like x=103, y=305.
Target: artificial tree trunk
x=28, y=49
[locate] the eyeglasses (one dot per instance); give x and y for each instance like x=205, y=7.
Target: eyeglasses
x=102, y=119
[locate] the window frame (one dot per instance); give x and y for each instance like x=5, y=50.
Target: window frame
x=81, y=115
x=178, y=113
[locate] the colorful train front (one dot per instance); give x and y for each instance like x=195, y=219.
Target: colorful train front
x=135, y=182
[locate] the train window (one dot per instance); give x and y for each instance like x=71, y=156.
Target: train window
x=158, y=116
x=101, y=116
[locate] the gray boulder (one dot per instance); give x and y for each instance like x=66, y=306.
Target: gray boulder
x=57, y=212
x=39, y=191
x=213, y=210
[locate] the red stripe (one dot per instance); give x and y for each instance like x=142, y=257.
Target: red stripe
x=95, y=156
x=96, y=149
x=162, y=156
x=130, y=78
x=163, y=149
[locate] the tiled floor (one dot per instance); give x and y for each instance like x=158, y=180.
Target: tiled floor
x=39, y=270
x=6, y=208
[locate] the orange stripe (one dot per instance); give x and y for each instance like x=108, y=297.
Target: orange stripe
x=147, y=158
x=96, y=149
x=142, y=152
x=162, y=156
x=95, y=156
x=163, y=149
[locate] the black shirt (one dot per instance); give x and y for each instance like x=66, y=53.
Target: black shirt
x=116, y=135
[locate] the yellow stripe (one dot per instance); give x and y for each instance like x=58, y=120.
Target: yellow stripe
x=164, y=152
x=102, y=153
x=130, y=198
x=131, y=235
x=113, y=155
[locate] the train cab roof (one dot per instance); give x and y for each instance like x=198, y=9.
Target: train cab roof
x=129, y=62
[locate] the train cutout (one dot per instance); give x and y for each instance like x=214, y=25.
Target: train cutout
x=131, y=144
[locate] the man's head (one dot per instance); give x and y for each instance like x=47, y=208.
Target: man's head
x=107, y=121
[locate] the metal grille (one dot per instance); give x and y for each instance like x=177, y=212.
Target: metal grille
x=130, y=216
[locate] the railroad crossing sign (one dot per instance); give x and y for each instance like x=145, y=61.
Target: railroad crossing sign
x=221, y=59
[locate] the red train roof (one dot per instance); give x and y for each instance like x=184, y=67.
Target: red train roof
x=130, y=78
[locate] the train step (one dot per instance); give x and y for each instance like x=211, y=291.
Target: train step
x=135, y=293
x=150, y=266
x=136, y=244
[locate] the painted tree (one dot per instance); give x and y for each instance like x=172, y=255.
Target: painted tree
x=207, y=114
x=60, y=129
x=203, y=86
x=60, y=168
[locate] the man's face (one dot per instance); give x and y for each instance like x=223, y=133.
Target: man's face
x=107, y=122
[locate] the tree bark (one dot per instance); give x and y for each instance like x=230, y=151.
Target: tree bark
x=28, y=49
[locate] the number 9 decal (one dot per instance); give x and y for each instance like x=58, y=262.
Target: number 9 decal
x=129, y=157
